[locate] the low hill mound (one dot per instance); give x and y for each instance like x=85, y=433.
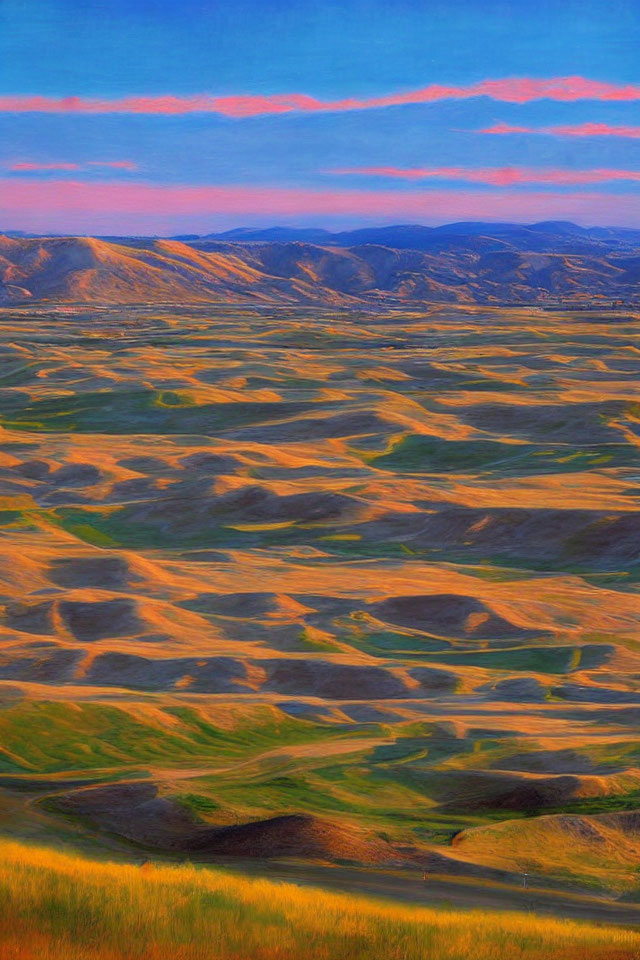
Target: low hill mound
x=137, y=812
x=448, y=615
x=604, y=846
x=298, y=835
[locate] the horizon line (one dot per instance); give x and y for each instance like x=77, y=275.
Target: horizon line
x=34, y=235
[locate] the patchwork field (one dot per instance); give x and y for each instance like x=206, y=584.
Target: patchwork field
x=355, y=587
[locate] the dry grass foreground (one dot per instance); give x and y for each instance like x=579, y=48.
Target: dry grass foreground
x=56, y=907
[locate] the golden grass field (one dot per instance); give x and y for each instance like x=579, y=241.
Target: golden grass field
x=57, y=907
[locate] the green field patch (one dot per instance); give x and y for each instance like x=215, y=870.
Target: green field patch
x=170, y=398
x=121, y=527
x=416, y=453
x=283, y=794
x=608, y=804
x=139, y=412
x=402, y=751
x=9, y=518
x=49, y=737
x=19, y=374
x=373, y=787
x=196, y=803
x=411, y=761
x=172, y=527
x=388, y=643
x=553, y=660
x=90, y=534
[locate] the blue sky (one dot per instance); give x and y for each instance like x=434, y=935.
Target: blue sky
x=220, y=169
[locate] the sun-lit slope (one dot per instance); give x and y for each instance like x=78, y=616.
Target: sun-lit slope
x=83, y=269
x=451, y=275
x=60, y=906
x=602, y=847
x=86, y=269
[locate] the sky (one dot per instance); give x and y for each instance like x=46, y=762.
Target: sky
x=193, y=116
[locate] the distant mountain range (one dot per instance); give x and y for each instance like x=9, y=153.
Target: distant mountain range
x=552, y=236
x=458, y=263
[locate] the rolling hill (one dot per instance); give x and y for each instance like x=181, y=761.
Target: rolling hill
x=322, y=583
x=396, y=265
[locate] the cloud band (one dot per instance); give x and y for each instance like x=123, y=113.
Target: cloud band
x=507, y=90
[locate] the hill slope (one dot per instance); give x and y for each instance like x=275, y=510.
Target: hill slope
x=60, y=906
x=87, y=269
x=465, y=268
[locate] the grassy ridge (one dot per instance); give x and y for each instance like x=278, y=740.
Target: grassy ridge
x=54, y=906
x=52, y=737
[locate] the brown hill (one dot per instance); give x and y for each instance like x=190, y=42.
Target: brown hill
x=137, y=812
x=84, y=269
x=298, y=835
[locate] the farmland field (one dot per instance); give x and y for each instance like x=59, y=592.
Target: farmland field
x=373, y=574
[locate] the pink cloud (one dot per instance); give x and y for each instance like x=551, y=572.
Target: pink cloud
x=76, y=206
x=508, y=90
x=505, y=128
x=114, y=164
x=496, y=176
x=27, y=166
x=594, y=130
x=577, y=130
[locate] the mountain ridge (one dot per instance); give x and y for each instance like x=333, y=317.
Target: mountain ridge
x=549, y=235
x=513, y=265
